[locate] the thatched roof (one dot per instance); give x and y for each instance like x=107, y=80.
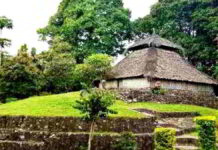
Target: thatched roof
x=158, y=64
x=154, y=41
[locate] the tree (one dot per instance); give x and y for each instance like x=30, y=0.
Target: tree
x=57, y=65
x=90, y=26
x=94, y=68
x=19, y=77
x=95, y=105
x=58, y=73
x=190, y=23
x=4, y=23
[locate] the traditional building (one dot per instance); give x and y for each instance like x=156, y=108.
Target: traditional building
x=155, y=60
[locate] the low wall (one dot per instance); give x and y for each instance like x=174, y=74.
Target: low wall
x=171, y=97
x=68, y=133
x=169, y=114
x=68, y=141
x=71, y=124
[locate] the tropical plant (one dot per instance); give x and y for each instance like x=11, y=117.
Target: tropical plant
x=95, y=105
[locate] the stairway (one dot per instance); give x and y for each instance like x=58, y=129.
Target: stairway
x=183, y=127
x=186, y=142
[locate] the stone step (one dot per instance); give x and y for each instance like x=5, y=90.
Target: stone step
x=167, y=125
x=187, y=140
x=185, y=131
x=182, y=147
x=21, y=145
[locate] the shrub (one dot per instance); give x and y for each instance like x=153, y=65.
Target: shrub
x=95, y=105
x=163, y=91
x=165, y=139
x=159, y=91
x=127, y=141
x=94, y=68
x=206, y=129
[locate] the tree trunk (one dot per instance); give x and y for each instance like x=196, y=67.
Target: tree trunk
x=91, y=135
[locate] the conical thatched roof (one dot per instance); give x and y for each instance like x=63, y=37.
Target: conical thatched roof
x=154, y=41
x=159, y=64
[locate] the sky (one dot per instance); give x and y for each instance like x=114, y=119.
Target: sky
x=30, y=15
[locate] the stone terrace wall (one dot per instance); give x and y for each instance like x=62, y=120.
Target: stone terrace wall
x=70, y=141
x=171, y=97
x=68, y=133
x=70, y=124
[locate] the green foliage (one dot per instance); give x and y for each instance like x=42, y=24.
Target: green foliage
x=8, y=24
x=96, y=104
x=19, y=78
x=163, y=91
x=5, y=23
x=58, y=73
x=159, y=91
x=57, y=65
x=94, y=68
x=90, y=26
x=33, y=52
x=100, y=63
x=126, y=141
x=206, y=128
x=83, y=74
x=190, y=23
x=165, y=139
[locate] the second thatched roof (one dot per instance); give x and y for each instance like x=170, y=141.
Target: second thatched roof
x=160, y=64
x=154, y=41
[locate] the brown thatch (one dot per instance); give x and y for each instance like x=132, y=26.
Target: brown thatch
x=159, y=64
x=154, y=41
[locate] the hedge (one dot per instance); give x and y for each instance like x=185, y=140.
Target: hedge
x=165, y=138
x=206, y=129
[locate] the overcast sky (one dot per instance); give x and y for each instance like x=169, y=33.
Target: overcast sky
x=29, y=15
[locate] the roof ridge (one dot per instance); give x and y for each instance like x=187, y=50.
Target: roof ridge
x=151, y=62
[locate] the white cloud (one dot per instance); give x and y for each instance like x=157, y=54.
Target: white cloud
x=29, y=15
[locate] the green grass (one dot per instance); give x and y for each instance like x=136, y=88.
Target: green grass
x=176, y=108
x=57, y=105
x=61, y=105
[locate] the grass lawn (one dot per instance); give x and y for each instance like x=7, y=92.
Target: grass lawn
x=176, y=108
x=61, y=105
x=57, y=105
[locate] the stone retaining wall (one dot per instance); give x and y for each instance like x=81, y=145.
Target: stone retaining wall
x=169, y=114
x=68, y=133
x=67, y=141
x=171, y=97
x=71, y=124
